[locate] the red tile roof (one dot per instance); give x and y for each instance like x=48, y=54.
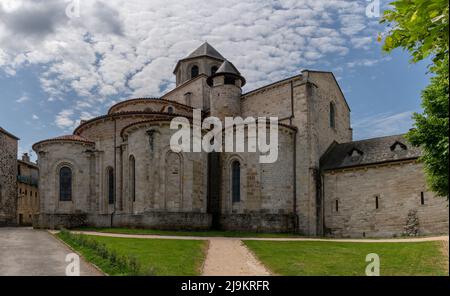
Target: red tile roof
x=67, y=138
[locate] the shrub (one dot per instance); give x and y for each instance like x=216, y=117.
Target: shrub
x=127, y=264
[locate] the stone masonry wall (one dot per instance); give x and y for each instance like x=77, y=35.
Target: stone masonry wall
x=266, y=188
x=398, y=187
x=54, y=156
x=273, y=101
x=165, y=181
x=312, y=97
x=225, y=99
x=199, y=90
x=323, y=91
x=8, y=179
x=203, y=63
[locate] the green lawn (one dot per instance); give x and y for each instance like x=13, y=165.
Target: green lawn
x=336, y=258
x=160, y=256
x=189, y=233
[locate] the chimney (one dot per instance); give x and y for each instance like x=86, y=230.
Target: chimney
x=26, y=157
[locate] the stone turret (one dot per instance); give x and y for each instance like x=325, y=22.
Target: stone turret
x=204, y=60
x=226, y=91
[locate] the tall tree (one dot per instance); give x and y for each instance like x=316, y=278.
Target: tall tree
x=421, y=28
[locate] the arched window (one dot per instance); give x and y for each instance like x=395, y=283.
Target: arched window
x=65, y=184
x=236, y=181
x=170, y=109
x=110, y=182
x=332, y=115
x=132, y=178
x=214, y=70
x=230, y=80
x=194, y=71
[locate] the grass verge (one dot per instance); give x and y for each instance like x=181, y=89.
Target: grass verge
x=344, y=258
x=131, y=256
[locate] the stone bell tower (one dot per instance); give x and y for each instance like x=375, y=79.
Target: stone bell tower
x=204, y=60
x=226, y=91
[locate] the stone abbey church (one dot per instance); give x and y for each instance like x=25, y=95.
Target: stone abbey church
x=118, y=169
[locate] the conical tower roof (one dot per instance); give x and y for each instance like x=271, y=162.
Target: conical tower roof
x=227, y=68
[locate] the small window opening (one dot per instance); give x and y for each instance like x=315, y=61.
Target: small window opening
x=230, y=80
x=194, y=71
x=332, y=115
x=422, y=198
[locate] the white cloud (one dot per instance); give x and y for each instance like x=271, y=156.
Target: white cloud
x=63, y=120
x=23, y=99
x=362, y=42
x=367, y=62
x=120, y=48
x=382, y=125
x=35, y=117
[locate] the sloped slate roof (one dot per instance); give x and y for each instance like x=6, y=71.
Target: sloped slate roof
x=229, y=68
x=370, y=151
x=205, y=50
x=2, y=130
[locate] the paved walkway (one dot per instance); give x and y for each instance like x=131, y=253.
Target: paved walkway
x=28, y=252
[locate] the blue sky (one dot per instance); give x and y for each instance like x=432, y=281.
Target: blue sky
x=58, y=67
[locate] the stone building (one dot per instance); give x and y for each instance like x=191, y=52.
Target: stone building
x=8, y=173
x=27, y=191
x=371, y=186
x=118, y=169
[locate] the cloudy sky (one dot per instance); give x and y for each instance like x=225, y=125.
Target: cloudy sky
x=66, y=60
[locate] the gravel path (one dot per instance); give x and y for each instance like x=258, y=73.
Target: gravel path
x=231, y=258
x=150, y=236
x=445, y=248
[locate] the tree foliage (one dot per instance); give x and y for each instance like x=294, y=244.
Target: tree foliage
x=421, y=27
x=431, y=130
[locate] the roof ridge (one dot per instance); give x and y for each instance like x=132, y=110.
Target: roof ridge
x=8, y=133
x=374, y=138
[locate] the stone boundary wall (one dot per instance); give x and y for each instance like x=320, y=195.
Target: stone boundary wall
x=58, y=221
x=258, y=222
x=171, y=221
